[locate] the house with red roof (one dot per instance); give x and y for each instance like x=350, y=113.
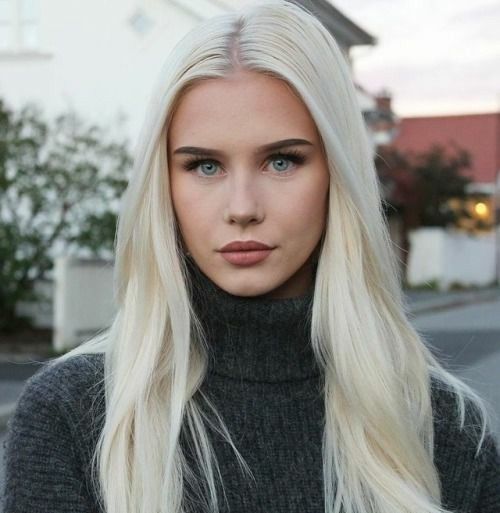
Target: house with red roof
x=469, y=257
x=478, y=134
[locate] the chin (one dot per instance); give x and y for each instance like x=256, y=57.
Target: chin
x=247, y=287
x=247, y=291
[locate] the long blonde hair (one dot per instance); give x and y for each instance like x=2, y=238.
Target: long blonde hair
x=378, y=374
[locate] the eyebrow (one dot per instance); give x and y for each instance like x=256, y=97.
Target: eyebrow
x=277, y=145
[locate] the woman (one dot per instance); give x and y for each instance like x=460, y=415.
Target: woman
x=261, y=358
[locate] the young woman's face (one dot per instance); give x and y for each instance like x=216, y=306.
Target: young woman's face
x=246, y=164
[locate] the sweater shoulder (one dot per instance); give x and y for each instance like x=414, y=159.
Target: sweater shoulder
x=465, y=453
x=68, y=378
x=448, y=418
x=457, y=430
x=74, y=386
x=51, y=438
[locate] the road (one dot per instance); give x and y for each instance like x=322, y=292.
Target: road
x=466, y=339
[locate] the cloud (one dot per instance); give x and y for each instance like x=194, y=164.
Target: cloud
x=483, y=13
x=448, y=58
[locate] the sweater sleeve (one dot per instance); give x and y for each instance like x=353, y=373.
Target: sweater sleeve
x=43, y=471
x=489, y=495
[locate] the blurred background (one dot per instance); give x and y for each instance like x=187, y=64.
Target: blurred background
x=75, y=81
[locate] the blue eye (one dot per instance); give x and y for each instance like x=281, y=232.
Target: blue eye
x=207, y=167
x=210, y=168
x=283, y=164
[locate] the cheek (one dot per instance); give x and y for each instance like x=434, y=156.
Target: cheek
x=182, y=204
x=304, y=214
x=193, y=212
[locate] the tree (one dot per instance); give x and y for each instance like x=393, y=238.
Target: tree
x=418, y=186
x=423, y=183
x=441, y=177
x=60, y=184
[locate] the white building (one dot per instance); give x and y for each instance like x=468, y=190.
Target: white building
x=101, y=57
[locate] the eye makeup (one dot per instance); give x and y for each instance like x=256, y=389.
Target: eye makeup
x=293, y=156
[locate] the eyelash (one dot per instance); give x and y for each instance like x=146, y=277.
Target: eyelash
x=294, y=156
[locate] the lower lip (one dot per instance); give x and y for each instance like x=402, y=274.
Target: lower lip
x=246, y=257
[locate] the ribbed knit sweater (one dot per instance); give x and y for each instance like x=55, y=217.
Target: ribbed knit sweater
x=265, y=383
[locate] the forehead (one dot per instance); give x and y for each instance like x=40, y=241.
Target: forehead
x=245, y=106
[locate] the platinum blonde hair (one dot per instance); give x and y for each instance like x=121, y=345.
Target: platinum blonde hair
x=378, y=434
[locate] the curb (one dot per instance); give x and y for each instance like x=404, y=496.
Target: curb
x=432, y=305
x=11, y=357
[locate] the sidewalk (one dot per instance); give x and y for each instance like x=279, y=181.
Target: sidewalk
x=16, y=368
x=427, y=301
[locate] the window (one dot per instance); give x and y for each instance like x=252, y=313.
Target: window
x=6, y=29
x=19, y=25
x=141, y=22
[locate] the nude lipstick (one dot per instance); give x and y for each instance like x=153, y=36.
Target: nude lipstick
x=245, y=253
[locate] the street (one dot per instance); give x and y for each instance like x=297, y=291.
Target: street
x=466, y=339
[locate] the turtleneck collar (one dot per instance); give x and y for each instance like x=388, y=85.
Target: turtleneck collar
x=254, y=338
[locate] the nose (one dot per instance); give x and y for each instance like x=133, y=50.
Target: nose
x=243, y=204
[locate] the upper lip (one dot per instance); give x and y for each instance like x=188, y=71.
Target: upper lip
x=244, y=245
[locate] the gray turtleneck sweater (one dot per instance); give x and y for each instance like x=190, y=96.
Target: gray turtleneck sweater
x=264, y=381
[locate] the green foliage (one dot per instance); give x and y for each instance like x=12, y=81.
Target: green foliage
x=421, y=185
x=60, y=184
x=430, y=285
x=440, y=178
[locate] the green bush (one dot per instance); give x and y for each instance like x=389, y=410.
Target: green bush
x=60, y=184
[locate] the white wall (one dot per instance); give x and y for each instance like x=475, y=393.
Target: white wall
x=83, y=300
x=91, y=59
x=449, y=257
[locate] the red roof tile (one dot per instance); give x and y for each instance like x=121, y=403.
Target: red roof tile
x=479, y=134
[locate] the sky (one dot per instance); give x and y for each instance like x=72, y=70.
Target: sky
x=434, y=56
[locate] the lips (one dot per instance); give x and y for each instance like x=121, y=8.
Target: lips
x=249, y=245
x=245, y=253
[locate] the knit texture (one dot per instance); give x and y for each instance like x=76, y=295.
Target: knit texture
x=264, y=381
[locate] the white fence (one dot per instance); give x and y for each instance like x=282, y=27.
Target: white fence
x=83, y=300
x=450, y=257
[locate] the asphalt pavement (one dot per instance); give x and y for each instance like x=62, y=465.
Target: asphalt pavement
x=466, y=339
